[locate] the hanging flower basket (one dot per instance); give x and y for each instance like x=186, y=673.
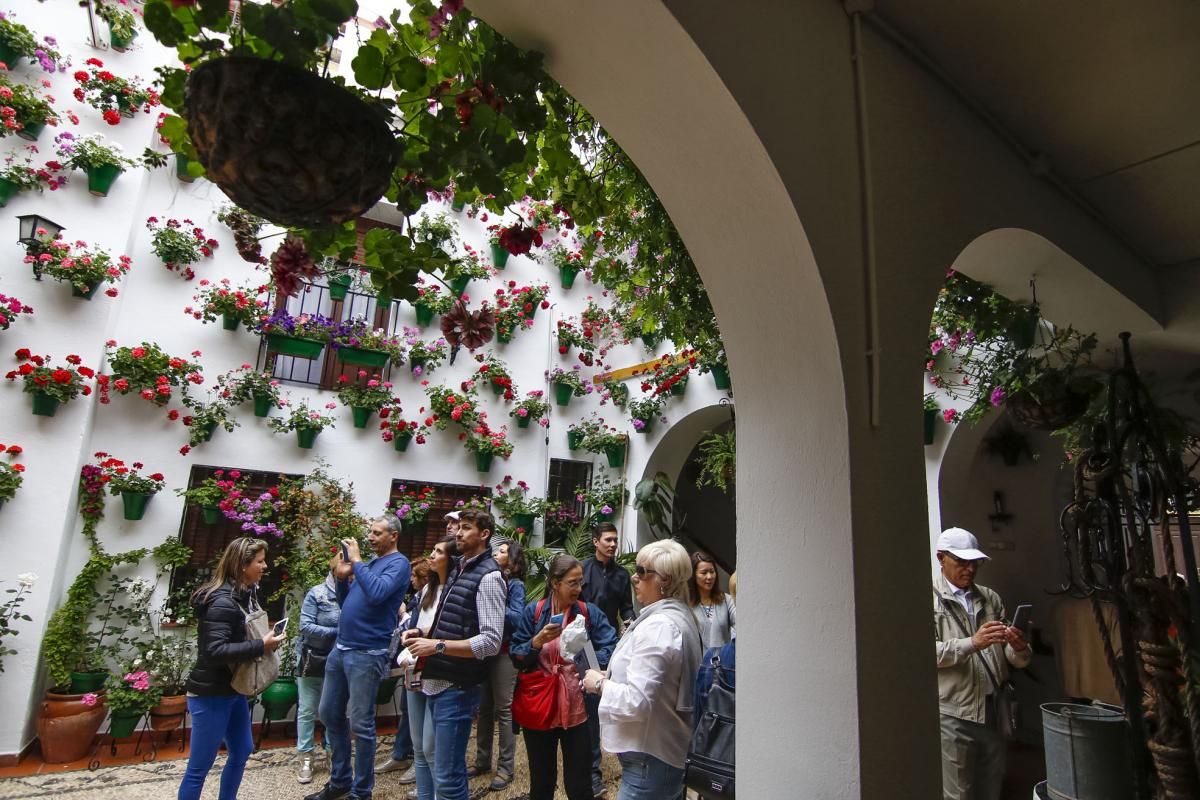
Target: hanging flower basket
x=135, y=504
x=102, y=178
x=262, y=405
x=339, y=286
x=44, y=405
x=573, y=439
x=563, y=394
x=483, y=461
x=89, y=294
x=616, y=455
x=720, y=376
x=122, y=724
x=8, y=190
x=400, y=440
x=566, y=276
x=363, y=357
x=459, y=284
x=424, y=314
x=306, y=438
x=1048, y=411
x=230, y=322
x=361, y=415
x=523, y=422
x=243, y=116
x=930, y=422
x=499, y=256
x=212, y=514
x=31, y=131
x=294, y=345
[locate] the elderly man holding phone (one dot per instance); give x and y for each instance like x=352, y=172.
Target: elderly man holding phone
x=975, y=648
x=370, y=594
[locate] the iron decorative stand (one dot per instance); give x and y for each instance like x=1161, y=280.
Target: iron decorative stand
x=146, y=731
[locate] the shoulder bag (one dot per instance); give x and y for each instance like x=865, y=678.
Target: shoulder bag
x=1008, y=707
x=252, y=677
x=535, y=699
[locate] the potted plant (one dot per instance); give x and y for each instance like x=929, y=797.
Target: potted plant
x=246, y=383
x=411, y=505
x=523, y=300
x=431, y=300
x=122, y=23
x=17, y=176
x=396, y=429
x=10, y=309
x=304, y=336
x=930, y=417
x=24, y=110
x=306, y=422
x=518, y=508
x=603, y=496
x=102, y=162
x=11, y=475
x=10, y=612
x=670, y=374
x=234, y=305
x=246, y=228
x=84, y=269
x=424, y=356
x=355, y=342
x=711, y=356
x=495, y=373
x=496, y=247
x=127, y=481
x=532, y=407
x=644, y=411
x=568, y=263
x=578, y=431
x=448, y=405
x=364, y=394
x=462, y=270
x=51, y=385
x=568, y=383
x=718, y=459
x=568, y=335
x=17, y=42
x=113, y=96
x=260, y=513
x=205, y=418
x=210, y=492
x=486, y=444
x=614, y=391
x=605, y=439
x=130, y=697
x=179, y=247
x=168, y=658
x=147, y=370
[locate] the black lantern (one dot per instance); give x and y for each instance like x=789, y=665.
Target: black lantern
x=30, y=224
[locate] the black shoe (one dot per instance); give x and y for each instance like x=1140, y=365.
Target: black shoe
x=329, y=792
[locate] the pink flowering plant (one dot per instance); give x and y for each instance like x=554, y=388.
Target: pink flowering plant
x=512, y=498
x=179, y=244
x=148, y=371
x=22, y=105
x=424, y=356
x=20, y=40
x=131, y=693
x=246, y=303
x=302, y=417
x=483, y=440
x=448, y=405
x=205, y=416
x=569, y=377
x=434, y=298
x=412, y=504
x=215, y=489
x=90, y=152
x=601, y=437
x=245, y=383
x=10, y=309
x=645, y=410
x=75, y=264
x=357, y=333
x=534, y=406
x=364, y=390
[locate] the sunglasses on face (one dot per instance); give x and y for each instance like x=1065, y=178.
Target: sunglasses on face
x=641, y=572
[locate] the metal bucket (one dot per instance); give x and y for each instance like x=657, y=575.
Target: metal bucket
x=1087, y=752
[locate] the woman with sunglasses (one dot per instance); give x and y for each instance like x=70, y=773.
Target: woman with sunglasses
x=648, y=694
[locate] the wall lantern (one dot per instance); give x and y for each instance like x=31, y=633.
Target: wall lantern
x=30, y=224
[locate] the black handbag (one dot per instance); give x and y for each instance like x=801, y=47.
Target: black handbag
x=312, y=663
x=710, y=765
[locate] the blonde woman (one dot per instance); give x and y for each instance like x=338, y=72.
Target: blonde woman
x=220, y=714
x=647, y=695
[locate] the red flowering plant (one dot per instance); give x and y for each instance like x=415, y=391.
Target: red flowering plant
x=392, y=423
x=516, y=306
x=433, y=298
x=483, y=440
x=259, y=512
x=204, y=417
x=75, y=264
x=670, y=371
x=22, y=105
x=495, y=372
x=118, y=476
x=602, y=437
x=412, y=504
x=11, y=475
x=364, y=390
x=179, y=244
x=570, y=335
x=218, y=490
x=516, y=239
x=512, y=499
x=448, y=405
x=25, y=176
x=147, y=370
x=63, y=382
x=114, y=97
x=533, y=406
x=245, y=303
x=10, y=309
x=245, y=383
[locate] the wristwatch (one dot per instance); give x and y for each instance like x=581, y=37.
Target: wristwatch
x=440, y=647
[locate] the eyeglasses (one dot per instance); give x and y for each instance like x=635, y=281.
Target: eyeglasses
x=641, y=572
x=966, y=562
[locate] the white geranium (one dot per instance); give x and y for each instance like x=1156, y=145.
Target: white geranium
x=26, y=580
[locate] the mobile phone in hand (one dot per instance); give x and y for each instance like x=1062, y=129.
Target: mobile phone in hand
x=280, y=627
x=345, y=554
x=557, y=619
x=1021, y=616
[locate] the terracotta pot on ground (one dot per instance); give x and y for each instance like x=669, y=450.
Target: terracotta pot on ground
x=66, y=727
x=168, y=714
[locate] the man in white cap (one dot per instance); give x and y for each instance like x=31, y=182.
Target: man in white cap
x=975, y=647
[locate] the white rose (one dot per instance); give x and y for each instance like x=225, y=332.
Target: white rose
x=26, y=580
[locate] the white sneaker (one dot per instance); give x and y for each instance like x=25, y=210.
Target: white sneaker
x=409, y=776
x=305, y=772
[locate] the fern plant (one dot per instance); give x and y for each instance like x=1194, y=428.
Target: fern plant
x=718, y=458
x=578, y=543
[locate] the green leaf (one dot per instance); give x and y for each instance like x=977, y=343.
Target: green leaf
x=369, y=68
x=409, y=74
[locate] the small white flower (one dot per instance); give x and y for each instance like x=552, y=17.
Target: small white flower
x=26, y=580
x=137, y=662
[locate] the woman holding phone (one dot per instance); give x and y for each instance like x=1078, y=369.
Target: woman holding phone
x=220, y=714
x=536, y=647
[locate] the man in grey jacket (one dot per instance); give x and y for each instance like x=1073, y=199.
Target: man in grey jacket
x=973, y=640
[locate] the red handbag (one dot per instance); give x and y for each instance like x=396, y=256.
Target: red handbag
x=535, y=699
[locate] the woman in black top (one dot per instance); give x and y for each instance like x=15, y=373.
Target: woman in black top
x=219, y=713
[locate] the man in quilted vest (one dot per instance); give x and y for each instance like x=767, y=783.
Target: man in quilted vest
x=465, y=633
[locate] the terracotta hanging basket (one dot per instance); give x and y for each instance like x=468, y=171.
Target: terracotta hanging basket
x=287, y=145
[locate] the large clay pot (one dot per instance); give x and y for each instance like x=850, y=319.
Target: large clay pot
x=168, y=714
x=66, y=727
x=288, y=145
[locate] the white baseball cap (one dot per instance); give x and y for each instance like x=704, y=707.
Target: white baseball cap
x=451, y=515
x=960, y=543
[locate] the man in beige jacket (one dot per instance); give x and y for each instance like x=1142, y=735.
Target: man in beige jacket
x=970, y=630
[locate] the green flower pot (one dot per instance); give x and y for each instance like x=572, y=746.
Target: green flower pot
x=497, y=388
x=931, y=417
x=483, y=462
x=207, y=430
x=424, y=314
x=262, y=405
x=44, y=405
x=230, y=322
x=413, y=363
x=564, y=348
x=363, y=357
x=306, y=438
x=1023, y=332
x=294, y=345
x=400, y=440
x=720, y=376
x=602, y=517
x=102, y=178
x=135, y=504
x=120, y=43
x=9, y=56
x=31, y=131
x=459, y=284
x=181, y=168
x=458, y=205
x=122, y=724
x=504, y=337
x=339, y=286
x=361, y=415
x=616, y=456
x=563, y=394
x=84, y=682
x=650, y=340
x=8, y=190
x=279, y=698
x=386, y=690
x=499, y=256
x=89, y=294
x=678, y=388
x=212, y=514
x=523, y=422
x=524, y=521
x=566, y=276
x=648, y=425
x=573, y=439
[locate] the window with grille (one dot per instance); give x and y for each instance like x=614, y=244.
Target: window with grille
x=566, y=477
x=208, y=542
x=416, y=543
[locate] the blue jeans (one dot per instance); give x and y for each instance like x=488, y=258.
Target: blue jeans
x=420, y=728
x=351, y=682
x=306, y=713
x=403, y=748
x=216, y=719
x=453, y=713
x=644, y=777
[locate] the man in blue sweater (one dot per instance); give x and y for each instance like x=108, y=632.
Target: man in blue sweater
x=370, y=595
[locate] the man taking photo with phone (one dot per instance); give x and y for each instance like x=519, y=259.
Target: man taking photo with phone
x=370, y=595
x=975, y=648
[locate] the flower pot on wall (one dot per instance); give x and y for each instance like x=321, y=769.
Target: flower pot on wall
x=616, y=455
x=424, y=314
x=294, y=345
x=931, y=417
x=306, y=438
x=262, y=405
x=566, y=276
x=230, y=322
x=120, y=43
x=563, y=394
x=9, y=56
x=31, y=131
x=459, y=284
x=524, y=521
x=339, y=286
x=400, y=440
x=279, y=698
x=499, y=256
x=212, y=514
x=135, y=504
x=168, y=714
x=44, y=405
x=7, y=190
x=89, y=294
x=181, y=168
x=66, y=726
x=647, y=426
x=483, y=461
x=361, y=415
x=363, y=357
x=123, y=723
x=207, y=431
x=573, y=439
x=102, y=178
x=678, y=388
x=523, y=422
x=720, y=376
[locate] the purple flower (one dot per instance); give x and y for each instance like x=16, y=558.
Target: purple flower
x=606, y=509
x=998, y=395
x=639, y=424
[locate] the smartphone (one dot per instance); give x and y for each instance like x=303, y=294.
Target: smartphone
x=557, y=619
x=279, y=627
x=1021, y=616
x=345, y=554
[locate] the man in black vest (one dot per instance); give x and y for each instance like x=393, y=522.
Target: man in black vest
x=465, y=633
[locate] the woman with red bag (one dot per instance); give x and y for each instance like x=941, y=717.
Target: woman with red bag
x=548, y=703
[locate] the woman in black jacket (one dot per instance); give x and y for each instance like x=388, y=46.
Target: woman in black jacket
x=218, y=712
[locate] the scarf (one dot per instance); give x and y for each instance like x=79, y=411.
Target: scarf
x=681, y=614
